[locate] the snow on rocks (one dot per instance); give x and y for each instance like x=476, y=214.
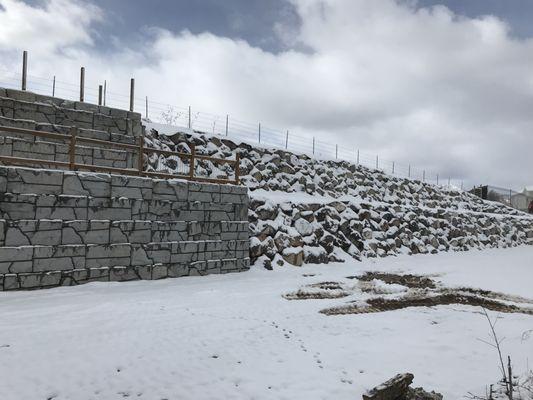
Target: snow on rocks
x=304, y=210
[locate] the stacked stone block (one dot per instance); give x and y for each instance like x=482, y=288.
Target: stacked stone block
x=64, y=227
x=32, y=111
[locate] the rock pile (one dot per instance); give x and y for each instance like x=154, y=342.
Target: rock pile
x=304, y=210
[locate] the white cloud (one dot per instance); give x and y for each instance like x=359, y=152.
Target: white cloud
x=420, y=86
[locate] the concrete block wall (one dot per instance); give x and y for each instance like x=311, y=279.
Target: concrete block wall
x=64, y=227
x=40, y=109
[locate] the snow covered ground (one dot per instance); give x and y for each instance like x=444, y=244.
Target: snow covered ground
x=235, y=336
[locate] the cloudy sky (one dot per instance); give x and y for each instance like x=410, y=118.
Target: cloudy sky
x=445, y=86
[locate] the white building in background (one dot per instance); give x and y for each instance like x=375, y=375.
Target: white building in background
x=521, y=200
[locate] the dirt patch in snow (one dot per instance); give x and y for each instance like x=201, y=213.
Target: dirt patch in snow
x=408, y=280
x=380, y=291
x=381, y=304
x=320, y=290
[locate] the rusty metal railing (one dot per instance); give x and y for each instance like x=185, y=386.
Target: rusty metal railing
x=73, y=140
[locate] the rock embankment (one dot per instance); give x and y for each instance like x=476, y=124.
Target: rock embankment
x=304, y=210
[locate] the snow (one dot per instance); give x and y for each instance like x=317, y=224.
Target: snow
x=235, y=336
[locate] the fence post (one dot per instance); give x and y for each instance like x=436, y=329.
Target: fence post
x=357, y=156
x=313, y=145
x=100, y=93
x=191, y=165
x=24, y=69
x=132, y=93
x=393, y=167
x=189, y=125
x=140, y=161
x=449, y=181
x=82, y=84
x=105, y=90
x=377, y=161
x=237, y=169
x=259, y=132
x=336, y=151
x=146, y=110
x=227, y=124
x=72, y=147
x=437, y=179
x=287, y=140
x=510, y=195
x=54, y=87
x=409, y=173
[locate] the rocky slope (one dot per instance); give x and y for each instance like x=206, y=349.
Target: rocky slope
x=304, y=210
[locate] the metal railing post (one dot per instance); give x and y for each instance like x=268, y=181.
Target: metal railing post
x=227, y=121
x=105, y=91
x=54, y=87
x=409, y=173
x=82, y=84
x=393, y=167
x=191, y=166
x=72, y=147
x=259, y=132
x=100, y=94
x=287, y=140
x=146, y=109
x=24, y=69
x=336, y=151
x=189, y=125
x=313, y=145
x=237, y=169
x=132, y=93
x=357, y=156
x=140, y=161
x=377, y=161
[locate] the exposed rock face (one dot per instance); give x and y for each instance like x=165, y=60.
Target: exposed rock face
x=335, y=210
x=397, y=388
x=394, y=389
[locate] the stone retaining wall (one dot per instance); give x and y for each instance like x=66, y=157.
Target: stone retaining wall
x=64, y=227
x=23, y=105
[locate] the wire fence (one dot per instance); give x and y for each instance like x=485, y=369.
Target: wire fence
x=224, y=125
x=519, y=200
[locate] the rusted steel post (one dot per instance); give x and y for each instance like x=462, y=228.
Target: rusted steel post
x=140, y=161
x=72, y=148
x=191, y=164
x=24, y=69
x=82, y=84
x=132, y=93
x=100, y=94
x=237, y=169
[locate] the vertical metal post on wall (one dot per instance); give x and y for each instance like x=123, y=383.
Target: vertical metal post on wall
x=237, y=169
x=146, y=108
x=132, y=93
x=191, y=165
x=82, y=84
x=140, y=161
x=287, y=140
x=100, y=94
x=227, y=122
x=72, y=147
x=54, y=87
x=24, y=69
x=189, y=125
x=259, y=132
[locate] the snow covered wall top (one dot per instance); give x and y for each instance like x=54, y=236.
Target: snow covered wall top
x=308, y=210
